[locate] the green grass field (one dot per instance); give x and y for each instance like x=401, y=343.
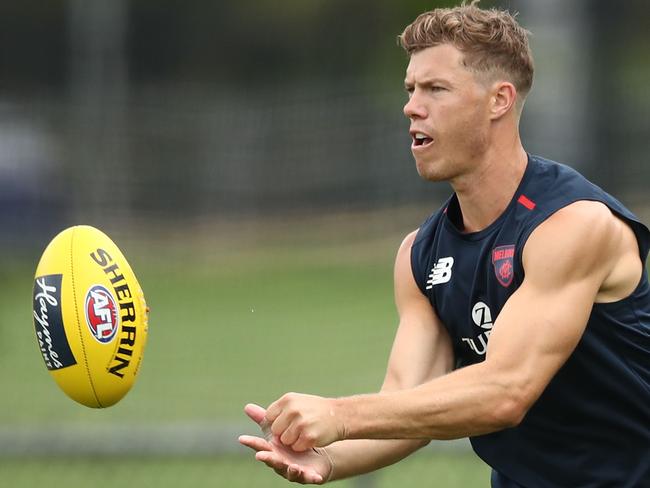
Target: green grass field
x=229, y=325
x=443, y=470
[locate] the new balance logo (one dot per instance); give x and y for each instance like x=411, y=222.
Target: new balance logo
x=441, y=272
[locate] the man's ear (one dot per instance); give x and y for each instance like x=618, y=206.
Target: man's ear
x=504, y=97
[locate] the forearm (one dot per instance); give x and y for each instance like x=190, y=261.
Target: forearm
x=469, y=401
x=358, y=456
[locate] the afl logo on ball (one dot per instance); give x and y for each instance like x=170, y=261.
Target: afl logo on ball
x=101, y=314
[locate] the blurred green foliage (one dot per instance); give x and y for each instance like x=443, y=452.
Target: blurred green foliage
x=237, y=42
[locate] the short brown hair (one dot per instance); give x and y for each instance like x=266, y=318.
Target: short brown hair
x=491, y=40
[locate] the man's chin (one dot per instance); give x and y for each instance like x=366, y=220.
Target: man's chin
x=428, y=173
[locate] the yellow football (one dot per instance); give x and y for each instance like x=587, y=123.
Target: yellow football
x=90, y=316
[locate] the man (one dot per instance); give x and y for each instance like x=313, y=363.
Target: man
x=524, y=304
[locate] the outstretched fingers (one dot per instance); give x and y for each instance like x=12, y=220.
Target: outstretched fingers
x=292, y=465
x=290, y=471
x=255, y=443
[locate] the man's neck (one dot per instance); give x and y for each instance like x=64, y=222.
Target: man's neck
x=484, y=194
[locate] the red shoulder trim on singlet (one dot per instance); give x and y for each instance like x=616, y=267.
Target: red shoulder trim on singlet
x=526, y=202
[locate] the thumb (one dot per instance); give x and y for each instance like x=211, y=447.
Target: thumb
x=258, y=415
x=255, y=412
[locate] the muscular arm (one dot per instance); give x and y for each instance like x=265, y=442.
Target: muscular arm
x=580, y=255
x=569, y=261
x=421, y=351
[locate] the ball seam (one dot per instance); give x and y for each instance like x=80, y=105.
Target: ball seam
x=76, y=308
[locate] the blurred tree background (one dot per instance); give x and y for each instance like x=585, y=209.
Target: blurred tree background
x=202, y=110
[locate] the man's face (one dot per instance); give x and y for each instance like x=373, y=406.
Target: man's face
x=448, y=110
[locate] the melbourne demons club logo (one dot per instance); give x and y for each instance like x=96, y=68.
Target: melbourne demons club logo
x=101, y=314
x=503, y=262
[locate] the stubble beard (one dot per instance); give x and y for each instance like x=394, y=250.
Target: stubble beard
x=459, y=155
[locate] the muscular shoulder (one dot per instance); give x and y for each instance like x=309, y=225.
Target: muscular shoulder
x=405, y=283
x=579, y=233
x=577, y=221
x=408, y=241
x=582, y=240
x=403, y=258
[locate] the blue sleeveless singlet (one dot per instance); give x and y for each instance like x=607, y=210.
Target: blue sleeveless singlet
x=591, y=425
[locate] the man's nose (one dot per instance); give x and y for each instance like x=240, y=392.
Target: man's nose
x=414, y=109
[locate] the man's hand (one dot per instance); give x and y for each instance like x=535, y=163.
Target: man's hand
x=303, y=422
x=309, y=467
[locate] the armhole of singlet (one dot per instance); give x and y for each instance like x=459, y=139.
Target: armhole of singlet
x=418, y=262
x=417, y=268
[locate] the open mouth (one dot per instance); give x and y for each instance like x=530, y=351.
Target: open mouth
x=420, y=139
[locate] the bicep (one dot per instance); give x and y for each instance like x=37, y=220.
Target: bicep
x=535, y=334
x=422, y=348
x=543, y=321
